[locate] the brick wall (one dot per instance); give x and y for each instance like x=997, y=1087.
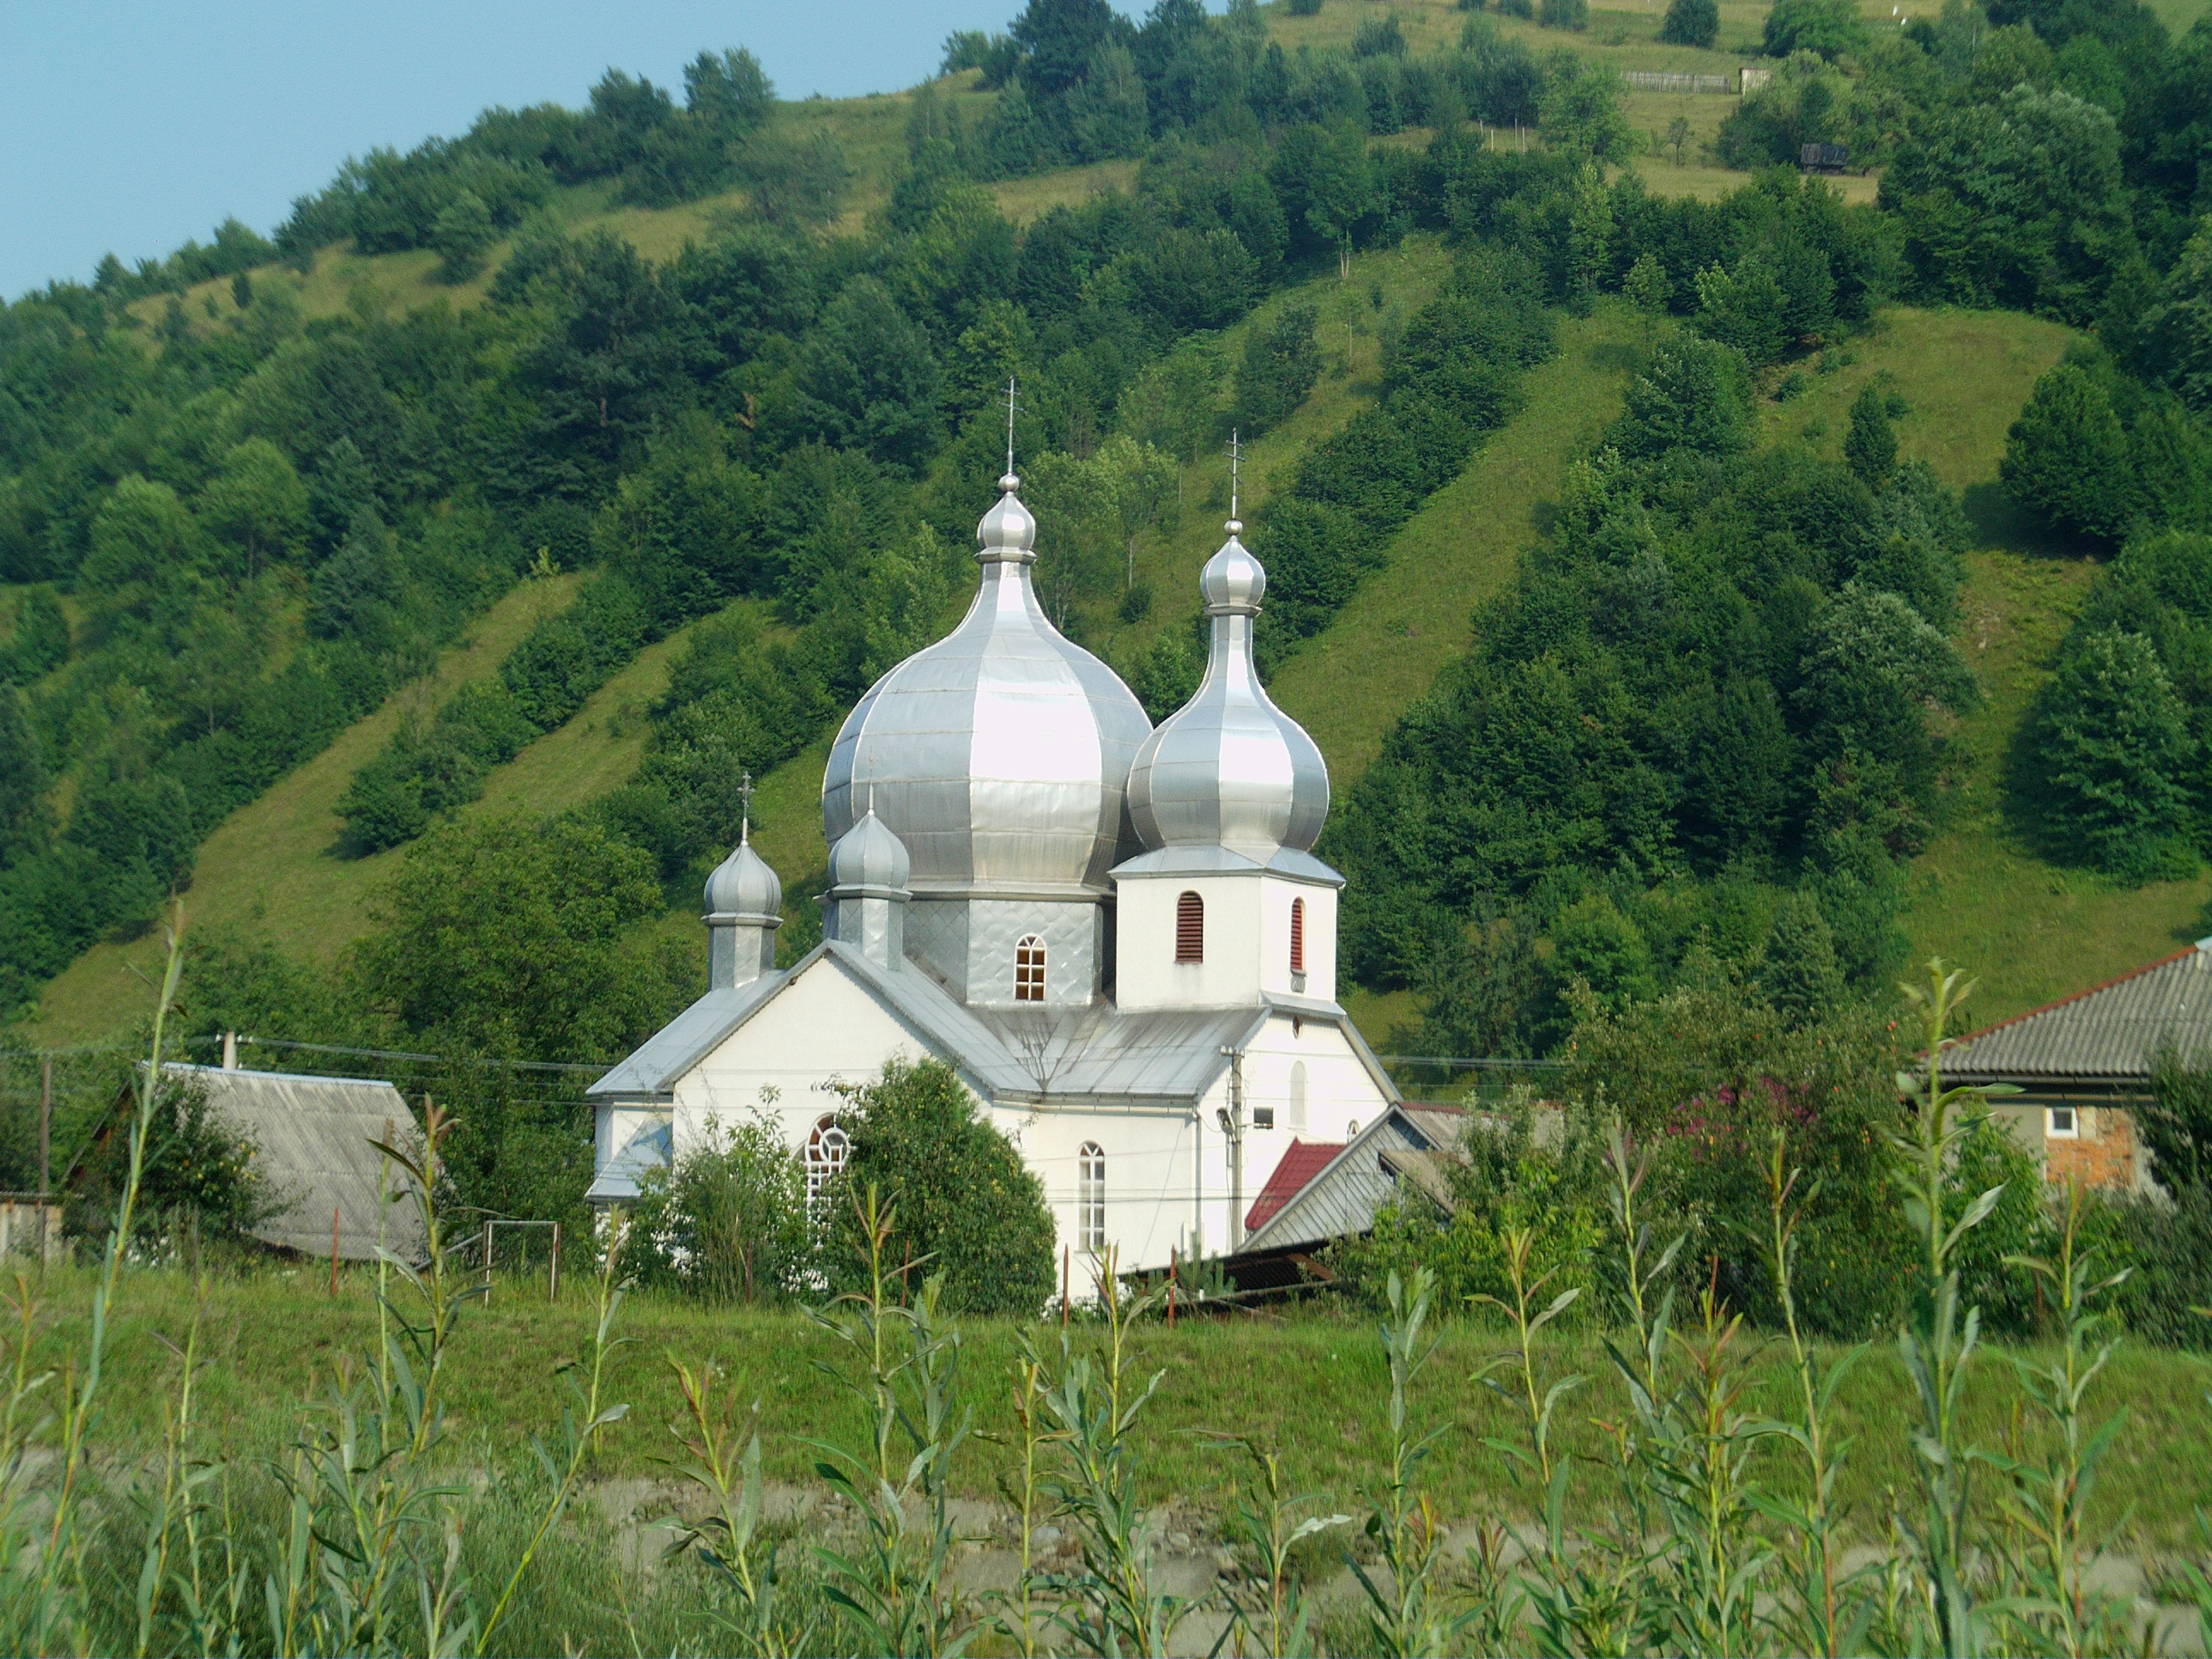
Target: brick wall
x=2104, y=1155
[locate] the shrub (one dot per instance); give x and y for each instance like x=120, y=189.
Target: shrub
x=1564, y=14
x=728, y=1220
x=2119, y=758
x=2066, y=457
x=1281, y=364
x=1830, y=27
x=1692, y=23
x=1870, y=445
x=1305, y=8
x=967, y=1207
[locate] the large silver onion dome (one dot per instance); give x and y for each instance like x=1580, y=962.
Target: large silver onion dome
x=743, y=884
x=1229, y=769
x=1000, y=755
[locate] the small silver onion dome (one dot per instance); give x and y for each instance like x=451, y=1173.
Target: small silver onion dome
x=1000, y=755
x=869, y=858
x=743, y=885
x=1229, y=769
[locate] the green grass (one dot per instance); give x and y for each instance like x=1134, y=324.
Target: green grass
x=1981, y=896
x=1313, y=1382
x=1408, y=620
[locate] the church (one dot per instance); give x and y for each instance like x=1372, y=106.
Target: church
x=1116, y=935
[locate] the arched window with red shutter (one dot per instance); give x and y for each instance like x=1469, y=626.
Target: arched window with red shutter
x=1297, y=936
x=1190, y=928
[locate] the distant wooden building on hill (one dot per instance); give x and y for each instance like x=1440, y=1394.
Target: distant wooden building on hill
x=2081, y=1064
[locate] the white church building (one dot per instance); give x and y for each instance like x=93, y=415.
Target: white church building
x=1117, y=936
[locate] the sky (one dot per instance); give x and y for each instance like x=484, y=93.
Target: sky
x=132, y=125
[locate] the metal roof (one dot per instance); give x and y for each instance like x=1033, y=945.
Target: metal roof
x=313, y=1144
x=1096, y=1054
x=1301, y=1162
x=1341, y=1200
x=2110, y=1033
x=653, y=1147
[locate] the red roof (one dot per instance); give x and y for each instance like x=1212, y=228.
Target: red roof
x=1304, y=1161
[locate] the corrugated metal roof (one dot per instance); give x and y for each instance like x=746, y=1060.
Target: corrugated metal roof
x=651, y=1148
x=2110, y=1033
x=1341, y=1200
x=1165, y=1058
x=1301, y=1162
x=313, y=1143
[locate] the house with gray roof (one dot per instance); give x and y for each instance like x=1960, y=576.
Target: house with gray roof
x=2081, y=1063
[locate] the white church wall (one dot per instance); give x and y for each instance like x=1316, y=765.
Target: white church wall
x=1277, y=895
x=1147, y=975
x=821, y=1028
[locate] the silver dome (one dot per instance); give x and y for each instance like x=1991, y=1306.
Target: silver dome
x=1229, y=769
x=743, y=884
x=869, y=858
x=1000, y=755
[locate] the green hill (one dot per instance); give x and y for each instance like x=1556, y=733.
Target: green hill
x=274, y=870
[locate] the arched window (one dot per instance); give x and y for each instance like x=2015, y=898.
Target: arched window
x=1029, y=970
x=1190, y=928
x=1297, y=936
x=1091, y=1199
x=1297, y=1112
x=826, y=1148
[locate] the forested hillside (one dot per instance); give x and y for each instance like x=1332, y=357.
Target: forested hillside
x=425, y=575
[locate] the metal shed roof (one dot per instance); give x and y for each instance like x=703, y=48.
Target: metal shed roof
x=1342, y=1199
x=2110, y=1034
x=313, y=1144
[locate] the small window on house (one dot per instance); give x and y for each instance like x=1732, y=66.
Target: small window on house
x=1029, y=970
x=1297, y=1112
x=1091, y=1199
x=1352, y=1130
x=826, y=1148
x=1263, y=1117
x=1190, y=928
x=2062, y=1123
x=1297, y=936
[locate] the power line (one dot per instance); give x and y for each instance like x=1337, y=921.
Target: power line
x=1477, y=1063
x=442, y=1059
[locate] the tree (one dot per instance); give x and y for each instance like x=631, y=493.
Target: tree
x=1594, y=943
x=2176, y=1122
x=1678, y=136
x=1647, y=289
x=1695, y=395
x=1743, y=307
x=1870, y=445
x=1830, y=27
x=41, y=641
x=25, y=821
x=964, y=1203
x=462, y=233
x=2118, y=758
x=1692, y=23
x=505, y=935
x=142, y=534
x=728, y=94
x=2177, y=329
x=2066, y=457
x=1142, y=480
x=1579, y=108
x=1802, y=977
x=1342, y=193
x=1281, y=364
x=868, y=379
x=257, y=504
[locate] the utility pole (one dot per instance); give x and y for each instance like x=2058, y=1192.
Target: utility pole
x=1232, y=1126
x=45, y=1125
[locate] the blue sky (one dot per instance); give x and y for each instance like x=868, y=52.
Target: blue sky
x=132, y=125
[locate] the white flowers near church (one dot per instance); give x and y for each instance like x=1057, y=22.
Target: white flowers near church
x=1118, y=937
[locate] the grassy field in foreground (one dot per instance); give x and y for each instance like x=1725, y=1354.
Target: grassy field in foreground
x=1313, y=1384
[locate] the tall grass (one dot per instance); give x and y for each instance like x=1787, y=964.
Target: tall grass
x=1678, y=1517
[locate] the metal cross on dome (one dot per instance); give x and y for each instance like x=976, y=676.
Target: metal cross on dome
x=1235, y=454
x=745, y=796
x=1012, y=405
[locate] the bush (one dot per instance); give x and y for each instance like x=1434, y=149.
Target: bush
x=1692, y=23
x=1564, y=14
x=728, y=1221
x=966, y=1206
x=1830, y=27
x=1281, y=364
x=1305, y=8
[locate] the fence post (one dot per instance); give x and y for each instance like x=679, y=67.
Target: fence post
x=487, y=1263
x=45, y=1151
x=334, y=1250
x=553, y=1280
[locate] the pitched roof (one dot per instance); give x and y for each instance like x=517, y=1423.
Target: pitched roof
x=1341, y=1198
x=313, y=1144
x=1301, y=1162
x=1096, y=1053
x=653, y=1147
x=2110, y=1033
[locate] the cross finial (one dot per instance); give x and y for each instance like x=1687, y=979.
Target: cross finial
x=745, y=821
x=1236, y=455
x=1012, y=405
